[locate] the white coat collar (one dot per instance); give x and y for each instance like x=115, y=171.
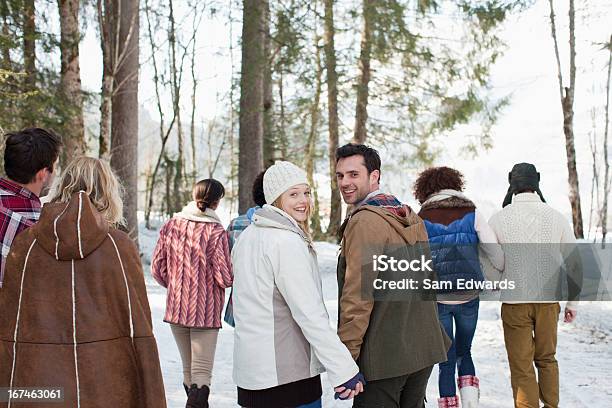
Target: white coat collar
x=191, y=212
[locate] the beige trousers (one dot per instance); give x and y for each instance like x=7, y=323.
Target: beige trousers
x=530, y=333
x=197, y=349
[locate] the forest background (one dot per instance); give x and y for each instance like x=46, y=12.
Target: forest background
x=173, y=91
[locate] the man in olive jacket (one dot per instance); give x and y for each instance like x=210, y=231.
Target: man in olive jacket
x=395, y=343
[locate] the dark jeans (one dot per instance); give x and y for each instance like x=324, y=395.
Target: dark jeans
x=406, y=391
x=459, y=355
x=316, y=404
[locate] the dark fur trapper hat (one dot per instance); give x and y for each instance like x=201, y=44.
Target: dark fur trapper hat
x=523, y=176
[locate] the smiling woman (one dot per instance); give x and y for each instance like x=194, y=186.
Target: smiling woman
x=283, y=340
x=297, y=202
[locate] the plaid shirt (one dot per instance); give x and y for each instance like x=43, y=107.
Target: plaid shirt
x=388, y=202
x=19, y=209
x=235, y=228
x=239, y=224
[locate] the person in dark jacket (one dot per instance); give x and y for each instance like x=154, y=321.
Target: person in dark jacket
x=456, y=228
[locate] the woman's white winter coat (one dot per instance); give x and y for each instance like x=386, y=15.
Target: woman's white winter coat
x=283, y=333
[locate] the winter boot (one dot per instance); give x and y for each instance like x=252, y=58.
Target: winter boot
x=469, y=389
x=198, y=397
x=448, y=402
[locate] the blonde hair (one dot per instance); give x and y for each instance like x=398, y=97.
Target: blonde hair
x=96, y=178
x=304, y=225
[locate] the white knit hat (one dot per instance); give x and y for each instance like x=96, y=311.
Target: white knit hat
x=280, y=177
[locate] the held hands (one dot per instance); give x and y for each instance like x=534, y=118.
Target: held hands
x=351, y=388
x=570, y=315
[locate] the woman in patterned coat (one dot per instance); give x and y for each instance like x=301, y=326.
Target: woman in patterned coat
x=192, y=261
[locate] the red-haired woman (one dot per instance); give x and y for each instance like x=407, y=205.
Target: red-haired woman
x=456, y=230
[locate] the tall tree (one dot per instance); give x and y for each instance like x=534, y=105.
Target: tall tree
x=29, y=44
x=163, y=161
x=335, y=217
x=106, y=17
x=197, y=19
x=566, y=94
x=176, y=78
x=250, y=143
x=361, y=111
x=124, y=127
x=74, y=132
x=10, y=83
x=269, y=140
x=593, y=145
x=313, y=133
x=606, y=192
x=6, y=34
x=232, y=110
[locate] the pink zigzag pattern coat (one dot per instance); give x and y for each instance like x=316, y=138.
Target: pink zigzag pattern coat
x=192, y=260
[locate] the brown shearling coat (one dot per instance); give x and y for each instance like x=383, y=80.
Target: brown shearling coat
x=75, y=300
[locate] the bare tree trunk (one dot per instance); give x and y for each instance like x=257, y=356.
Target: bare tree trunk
x=124, y=128
x=28, y=113
x=250, y=161
x=567, y=105
x=269, y=140
x=105, y=115
x=209, y=138
x=169, y=167
x=282, y=134
x=164, y=133
x=335, y=217
x=176, y=73
x=213, y=159
x=12, y=112
x=197, y=19
x=107, y=44
x=596, y=203
x=29, y=44
x=232, y=130
x=361, y=111
x=595, y=178
x=312, y=140
x=74, y=132
x=604, y=209
x=6, y=32
x=194, y=88
x=147, y=182
x=177, y=185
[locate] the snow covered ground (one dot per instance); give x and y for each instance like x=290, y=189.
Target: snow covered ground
x=584, y=350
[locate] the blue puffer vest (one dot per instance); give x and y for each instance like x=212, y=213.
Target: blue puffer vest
x=454, y=249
